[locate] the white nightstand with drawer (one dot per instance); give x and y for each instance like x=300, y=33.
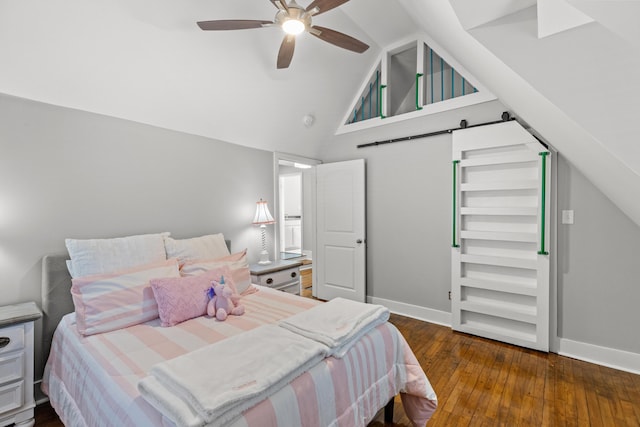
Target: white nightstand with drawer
x=16, y=364
x=281, y=275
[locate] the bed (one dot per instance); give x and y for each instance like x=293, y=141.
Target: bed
x=93, y=380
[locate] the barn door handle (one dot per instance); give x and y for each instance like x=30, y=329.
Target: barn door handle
x=454, y=242
x=543, y=206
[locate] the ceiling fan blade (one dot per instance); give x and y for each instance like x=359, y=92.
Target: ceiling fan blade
x=286, y=51
x=325, y=5
x=280, y=4
x=339, y=39
x=232, y=24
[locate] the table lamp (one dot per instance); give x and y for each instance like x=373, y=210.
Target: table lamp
x=262, y=218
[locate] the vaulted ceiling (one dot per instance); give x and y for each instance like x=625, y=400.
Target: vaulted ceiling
x=147, y=61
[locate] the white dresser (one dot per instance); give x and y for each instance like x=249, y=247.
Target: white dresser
x=16, y=364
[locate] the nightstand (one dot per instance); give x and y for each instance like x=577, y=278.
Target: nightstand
x=306, y=278
x=281, y=275
x=16, y=364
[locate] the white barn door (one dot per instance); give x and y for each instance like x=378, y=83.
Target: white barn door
x=339, y=258
x=500, y=235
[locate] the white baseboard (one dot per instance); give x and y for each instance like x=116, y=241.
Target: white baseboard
x=605, y=356
x=610, y=357
x=42, y=400
x=414, y=311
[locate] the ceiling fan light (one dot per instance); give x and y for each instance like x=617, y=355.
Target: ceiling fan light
x=293, y=26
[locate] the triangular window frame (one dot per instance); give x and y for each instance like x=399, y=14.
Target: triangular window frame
x=382, y=64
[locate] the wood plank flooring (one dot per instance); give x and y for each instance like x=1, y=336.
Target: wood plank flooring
x=46, y=416
x=480, y=382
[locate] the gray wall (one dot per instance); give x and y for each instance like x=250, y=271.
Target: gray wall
x=409, y=205
x=598, y=260
x=67, y=173
x=409, y=232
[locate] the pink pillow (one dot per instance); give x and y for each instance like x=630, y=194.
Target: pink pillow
x=106, y=302
x=237, y=263
x=183, y=298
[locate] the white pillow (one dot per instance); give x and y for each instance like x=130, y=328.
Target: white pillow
x=237, y=263
x=205, y=247
x=103, y=256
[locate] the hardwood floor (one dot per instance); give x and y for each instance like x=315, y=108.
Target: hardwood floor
x=480, y=382
x=46, y=416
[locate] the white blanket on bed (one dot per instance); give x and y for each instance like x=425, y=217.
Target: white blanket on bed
x=338, y=323
x=215, y=384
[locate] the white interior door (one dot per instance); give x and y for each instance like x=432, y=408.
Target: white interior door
x=500, y=259
x=339, y=258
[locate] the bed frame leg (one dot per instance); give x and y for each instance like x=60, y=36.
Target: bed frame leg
x=388, y=411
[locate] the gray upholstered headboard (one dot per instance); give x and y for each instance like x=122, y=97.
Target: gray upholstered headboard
x=56, y=295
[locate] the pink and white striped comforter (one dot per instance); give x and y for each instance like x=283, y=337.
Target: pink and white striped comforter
x=92, y=381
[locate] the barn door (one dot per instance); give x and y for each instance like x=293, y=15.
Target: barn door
x=500, y=260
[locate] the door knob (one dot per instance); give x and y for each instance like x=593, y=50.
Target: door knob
x=359, y=241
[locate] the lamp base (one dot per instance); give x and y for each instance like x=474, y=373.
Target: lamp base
x=264, y=258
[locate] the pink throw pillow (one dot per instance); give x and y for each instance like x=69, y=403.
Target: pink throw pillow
x=185, y=298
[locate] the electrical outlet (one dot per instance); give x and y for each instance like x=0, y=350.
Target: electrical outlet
x=567, y=217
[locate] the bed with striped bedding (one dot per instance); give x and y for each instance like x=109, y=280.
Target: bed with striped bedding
x=92, y=381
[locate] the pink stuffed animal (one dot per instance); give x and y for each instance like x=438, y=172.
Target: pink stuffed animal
x=224, y=302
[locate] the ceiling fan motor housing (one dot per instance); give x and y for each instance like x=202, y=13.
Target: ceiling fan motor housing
x=295, y=13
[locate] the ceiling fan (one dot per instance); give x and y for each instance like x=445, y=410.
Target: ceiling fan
x=294, y=19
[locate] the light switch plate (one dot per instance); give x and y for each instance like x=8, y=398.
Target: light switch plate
x=567, y=217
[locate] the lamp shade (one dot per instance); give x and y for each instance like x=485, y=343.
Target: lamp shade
x=263, y=216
